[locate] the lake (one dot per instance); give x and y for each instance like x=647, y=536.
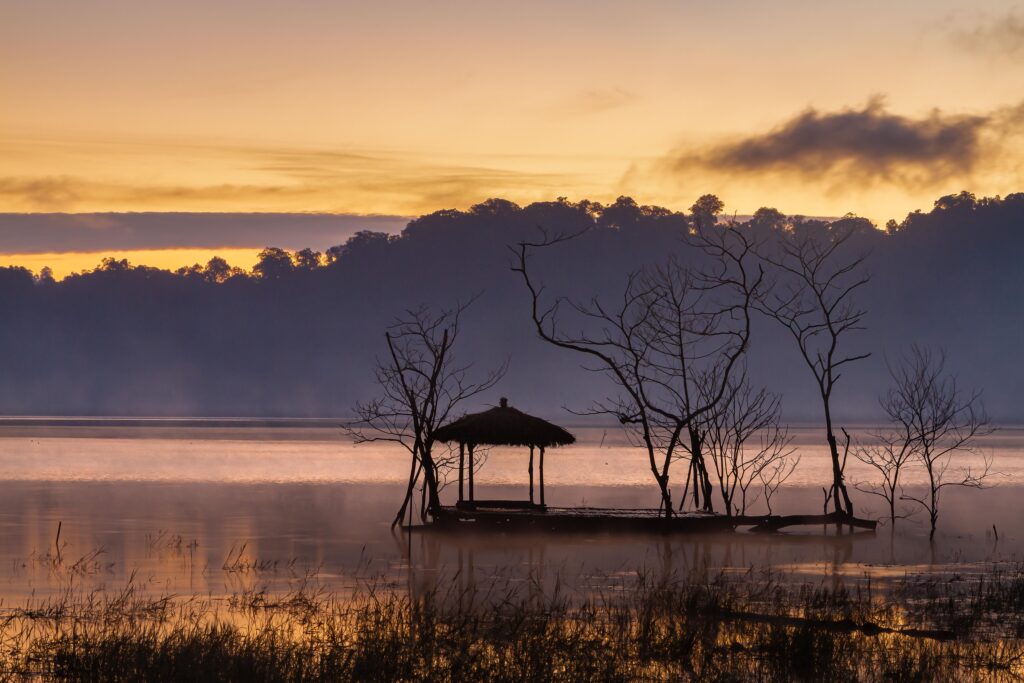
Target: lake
x=219, y=506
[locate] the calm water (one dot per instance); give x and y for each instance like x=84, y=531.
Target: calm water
x=221, y=507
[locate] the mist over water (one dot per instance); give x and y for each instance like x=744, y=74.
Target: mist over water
x=217, y=509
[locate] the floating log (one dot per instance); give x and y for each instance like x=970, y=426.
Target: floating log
x=519, y=516
x=770, y=523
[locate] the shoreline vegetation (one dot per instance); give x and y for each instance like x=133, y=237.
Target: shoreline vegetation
x=643, y=625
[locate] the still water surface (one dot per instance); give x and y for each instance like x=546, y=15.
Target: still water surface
x=215, y=508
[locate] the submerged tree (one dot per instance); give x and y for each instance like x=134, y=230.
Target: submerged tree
x=890, y=450
x=422, y=386
x=943, y=424
x=813, y=300
x=670, y=345
x=748, y=446
x=888, y=453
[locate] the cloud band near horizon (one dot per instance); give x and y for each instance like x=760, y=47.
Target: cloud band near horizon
x=28, y=233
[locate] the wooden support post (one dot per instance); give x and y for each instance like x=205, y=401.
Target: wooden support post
x=471, y=473
x=531, y=474
x=542, y=475
x=462, y=468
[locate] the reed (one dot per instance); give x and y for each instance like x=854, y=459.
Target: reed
x=682, y=627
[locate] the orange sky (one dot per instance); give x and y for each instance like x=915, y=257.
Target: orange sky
x=405, y=107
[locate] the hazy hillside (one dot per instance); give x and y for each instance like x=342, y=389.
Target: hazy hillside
x=298, y=336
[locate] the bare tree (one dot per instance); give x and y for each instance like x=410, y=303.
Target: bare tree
x=775, y=472
x=739, y=461
x=944, y=424
x=673, y=329
x=813, y=300
x=890, y=449
x=888, y=453
x=422, y=386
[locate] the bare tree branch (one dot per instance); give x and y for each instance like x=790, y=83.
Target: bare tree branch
x=670, y=344
x=942, y=423
x=817, y=281
x=421, y=388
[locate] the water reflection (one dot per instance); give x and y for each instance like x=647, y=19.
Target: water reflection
x=180, y=514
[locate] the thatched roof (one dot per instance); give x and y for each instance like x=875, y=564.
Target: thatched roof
x=504, y=426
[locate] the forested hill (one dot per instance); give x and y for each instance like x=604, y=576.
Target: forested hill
x=298, y=335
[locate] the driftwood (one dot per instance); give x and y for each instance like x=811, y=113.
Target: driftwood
x=768, y=523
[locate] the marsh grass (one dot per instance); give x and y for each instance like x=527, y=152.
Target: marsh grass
x=238, y=562
x=691, y=627
x=164, y=542
x=701, y=625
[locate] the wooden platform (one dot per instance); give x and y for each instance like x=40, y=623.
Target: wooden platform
x=587, y=519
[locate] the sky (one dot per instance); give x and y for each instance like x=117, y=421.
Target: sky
x=399, y=107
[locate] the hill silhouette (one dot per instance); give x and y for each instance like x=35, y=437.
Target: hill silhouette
x=297, y=336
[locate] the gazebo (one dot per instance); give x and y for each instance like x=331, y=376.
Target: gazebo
x=501, y=426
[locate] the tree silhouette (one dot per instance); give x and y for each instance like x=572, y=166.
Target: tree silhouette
x=747, y=445
x=888, y=453
x=705, y=211
x=943, y=424
x=421, y=385
x=218, y=270
x=814, y=303
x=307, y=259
x=273, y=264
x=674, y=330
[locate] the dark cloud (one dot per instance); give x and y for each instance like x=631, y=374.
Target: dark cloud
x=999, y=37
x=63, y=232
x=856, y=145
